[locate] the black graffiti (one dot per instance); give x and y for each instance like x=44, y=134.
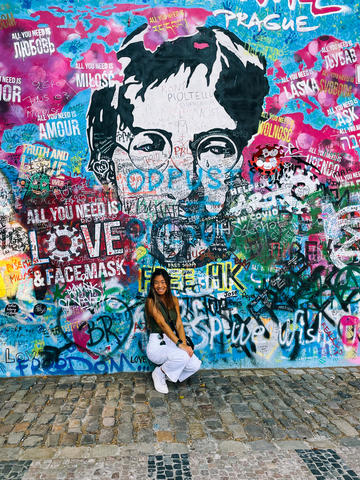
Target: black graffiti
x=40, y=309
x=102, y=329
x=50, y=355
x=291, y=290
x=12, y=309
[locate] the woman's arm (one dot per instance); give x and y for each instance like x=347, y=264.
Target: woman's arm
x=179, y=324
x=180, y=329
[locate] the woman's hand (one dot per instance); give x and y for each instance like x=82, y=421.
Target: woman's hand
x=187, y=349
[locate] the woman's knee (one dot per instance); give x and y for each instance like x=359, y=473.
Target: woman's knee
x=180, y=356
x=195, y=363
x=156, y=355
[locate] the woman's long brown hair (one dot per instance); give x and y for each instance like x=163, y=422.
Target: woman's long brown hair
x=152, y=295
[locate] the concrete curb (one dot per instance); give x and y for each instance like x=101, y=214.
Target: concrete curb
x=131, y=449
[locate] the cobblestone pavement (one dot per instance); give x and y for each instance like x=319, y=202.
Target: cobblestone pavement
x=221, y=424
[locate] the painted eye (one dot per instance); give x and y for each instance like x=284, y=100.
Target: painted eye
x=150, y=149
x=150, y=142
x=217, y=151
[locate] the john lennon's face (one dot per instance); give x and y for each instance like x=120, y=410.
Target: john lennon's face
x=180, y=142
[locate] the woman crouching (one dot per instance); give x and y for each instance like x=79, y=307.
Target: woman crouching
x=167, y=345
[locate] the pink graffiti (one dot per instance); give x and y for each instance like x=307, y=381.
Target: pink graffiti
x=308, y=56
x=315, y=8
x=200, y=46
x=350, y=321
x=170, y=23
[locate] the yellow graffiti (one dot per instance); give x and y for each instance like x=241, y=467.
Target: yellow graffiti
x=140, y=253
x=38, y=348
x=11, y=274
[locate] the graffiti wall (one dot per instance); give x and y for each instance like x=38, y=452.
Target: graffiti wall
x=217, y=139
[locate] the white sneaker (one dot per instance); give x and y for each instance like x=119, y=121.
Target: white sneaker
x=159, y=381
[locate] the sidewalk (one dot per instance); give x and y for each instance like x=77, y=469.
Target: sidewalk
x=220, y=424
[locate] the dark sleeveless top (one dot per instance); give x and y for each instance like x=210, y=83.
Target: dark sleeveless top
x=170, y=316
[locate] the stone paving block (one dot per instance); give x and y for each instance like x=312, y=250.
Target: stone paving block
x=163, y=424
x=141, y=408
x=276, y=433
x=52, y=440
x=106, y=435
x=228, y=418
x=207, y=411
x=95, y=411
x=182, y=437
x=290, y=444
x=315, y=443
x=231, y=446
x=254, y=430
x=4, y=412
x=242, y=411
x=145, y=435
x=10, y=453
x=45, y=418
x=19, y=395
x=15, y=438
x=73, y=452
x=13, y=418
x=88, y=439
x=125, y=434
x=196, y=430
x=88, y=379
x=237, y=431
x=69, y=439
x=108, y=411
x=21, y=407
x=21, y=427
x=32, y=441
x=36, y=429
x=92, y=427
x=4, y=429
x=344, y=427
x=213, y=424
x=350, y=441
x=108, y=421
x=260, y=445
x=58, y=428
x=164, y=436
x=78, y=413
x=74, y=425
x=220, y=435
x=37, y=453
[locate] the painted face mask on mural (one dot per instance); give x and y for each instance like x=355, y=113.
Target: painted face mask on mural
x=170, y=138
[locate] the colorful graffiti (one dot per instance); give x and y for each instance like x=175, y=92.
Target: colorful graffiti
x=219, y=140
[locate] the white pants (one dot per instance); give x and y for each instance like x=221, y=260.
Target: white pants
x=175, y=362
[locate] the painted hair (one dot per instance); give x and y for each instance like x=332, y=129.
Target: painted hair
x=238, y=77
x=152, y=295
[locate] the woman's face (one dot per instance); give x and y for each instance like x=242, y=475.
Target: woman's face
x=160, y=285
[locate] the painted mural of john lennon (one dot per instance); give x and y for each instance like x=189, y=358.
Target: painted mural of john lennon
x=170, y=136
